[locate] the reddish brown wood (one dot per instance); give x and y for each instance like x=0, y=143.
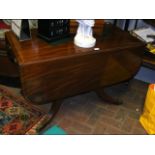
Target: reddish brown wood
x=7, y=68
x=53, y=71
x=2, y=44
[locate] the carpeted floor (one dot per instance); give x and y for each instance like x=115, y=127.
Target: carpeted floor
x=88, y=114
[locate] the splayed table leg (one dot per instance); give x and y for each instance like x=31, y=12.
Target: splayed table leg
x=107, y=98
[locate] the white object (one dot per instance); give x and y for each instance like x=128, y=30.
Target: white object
x=16, y=27
x=143, y=32
x=96, y=49
x=84, y=37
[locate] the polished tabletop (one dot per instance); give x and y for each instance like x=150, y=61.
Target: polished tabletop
x=36, y=49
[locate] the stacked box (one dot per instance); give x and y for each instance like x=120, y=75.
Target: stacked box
x=53, y=29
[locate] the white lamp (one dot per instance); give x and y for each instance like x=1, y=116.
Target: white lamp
x=84, y=36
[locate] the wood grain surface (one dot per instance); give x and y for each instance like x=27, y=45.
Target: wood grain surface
x=52, y=71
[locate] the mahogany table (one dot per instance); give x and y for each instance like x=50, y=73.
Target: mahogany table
x=53, y=71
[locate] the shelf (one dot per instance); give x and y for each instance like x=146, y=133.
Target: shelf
x=149, y=60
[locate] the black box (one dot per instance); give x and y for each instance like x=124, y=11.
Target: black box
x=53, y=29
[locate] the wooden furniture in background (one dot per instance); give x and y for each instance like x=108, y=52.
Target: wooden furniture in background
x=51, y=72
x=7, y=68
